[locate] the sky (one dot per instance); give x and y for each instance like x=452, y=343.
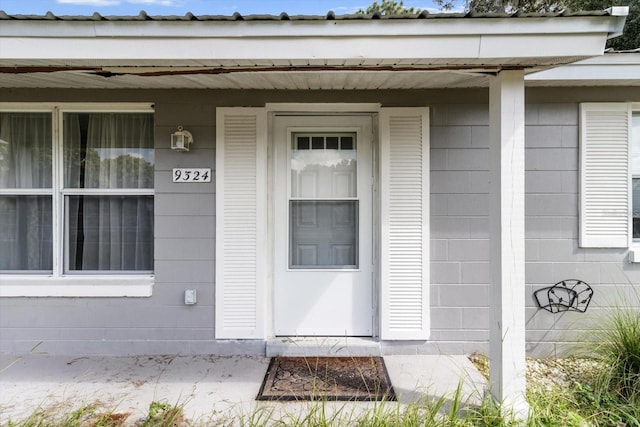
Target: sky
x=197, y=7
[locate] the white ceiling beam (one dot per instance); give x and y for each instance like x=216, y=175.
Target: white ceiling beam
x=175, y=51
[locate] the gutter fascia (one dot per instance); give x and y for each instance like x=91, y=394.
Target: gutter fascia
x=620, y=13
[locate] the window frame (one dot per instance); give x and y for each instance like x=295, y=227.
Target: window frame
x=62, y=282
x=292, y=133
x=293, y=145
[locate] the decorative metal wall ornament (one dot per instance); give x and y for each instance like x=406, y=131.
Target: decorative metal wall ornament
x=566, y=295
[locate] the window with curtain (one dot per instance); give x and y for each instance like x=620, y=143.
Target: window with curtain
x=94, y=179
x=26, y=192
x=108, y=191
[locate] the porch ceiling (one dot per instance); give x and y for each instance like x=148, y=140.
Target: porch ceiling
x=260, y=52
x=233, y=79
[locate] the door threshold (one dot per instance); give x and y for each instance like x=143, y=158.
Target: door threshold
x=322, y=346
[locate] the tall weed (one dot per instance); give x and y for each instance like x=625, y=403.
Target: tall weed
x=164, y=414
x=618, y=347
x=94, y=415
x=615, y=390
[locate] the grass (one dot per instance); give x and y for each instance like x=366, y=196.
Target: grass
x=94, y=415
x=618, y=347
x=447, y=411
x=163, y=414
x=606, y=391
x=616, y=387
x=160, y=414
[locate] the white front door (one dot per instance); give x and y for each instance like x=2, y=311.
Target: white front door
x=323, y=225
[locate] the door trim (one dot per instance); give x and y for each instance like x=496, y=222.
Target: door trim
x=321, y=108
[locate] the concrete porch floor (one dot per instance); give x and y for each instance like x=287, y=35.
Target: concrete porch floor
x=213, y=389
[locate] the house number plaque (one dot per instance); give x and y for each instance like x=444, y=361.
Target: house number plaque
x=192, y=175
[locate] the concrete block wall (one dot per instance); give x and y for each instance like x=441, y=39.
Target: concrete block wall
x=552, y=227
x=459, y=228
x=460, y=232
x=185, y=231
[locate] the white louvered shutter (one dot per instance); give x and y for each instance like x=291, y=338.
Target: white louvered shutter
x=605, y=178
x=404, y=192
x=240, y=222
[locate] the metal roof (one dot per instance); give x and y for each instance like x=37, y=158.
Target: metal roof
x=330, y=16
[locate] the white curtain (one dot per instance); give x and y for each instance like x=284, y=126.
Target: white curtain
x=25, y=220
x=115, y=151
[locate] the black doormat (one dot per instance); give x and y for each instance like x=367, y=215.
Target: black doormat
x=327, y=378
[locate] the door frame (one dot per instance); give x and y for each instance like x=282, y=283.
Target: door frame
x=319, y=109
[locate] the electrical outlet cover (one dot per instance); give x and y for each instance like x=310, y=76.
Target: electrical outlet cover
x=190, y=296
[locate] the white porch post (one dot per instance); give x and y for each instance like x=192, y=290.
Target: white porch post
x=507, y=301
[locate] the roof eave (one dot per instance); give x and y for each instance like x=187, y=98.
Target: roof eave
x=620, y=12
x=609, y=69
x=462, y=40
x=167, y=54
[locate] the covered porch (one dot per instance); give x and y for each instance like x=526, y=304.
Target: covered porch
x=332, y=53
